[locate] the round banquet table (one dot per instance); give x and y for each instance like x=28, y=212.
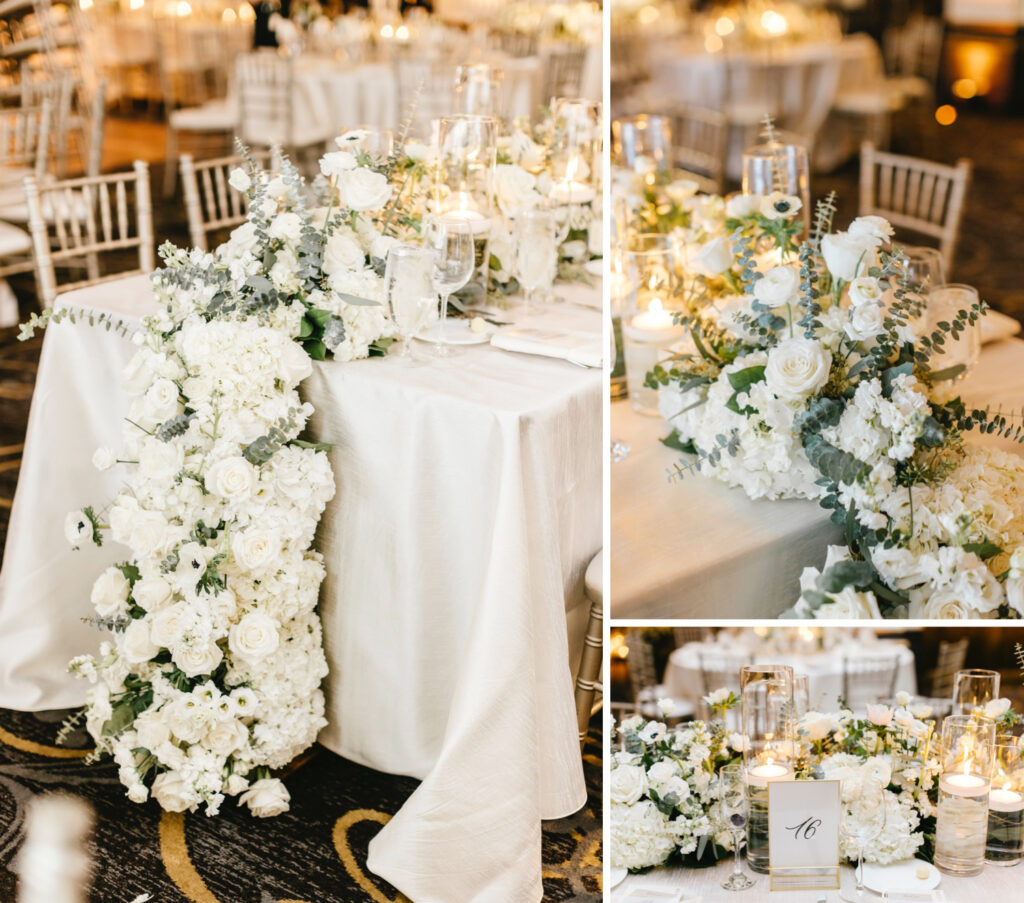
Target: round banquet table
x=699, y=549
x=468, y=507
x=704, y=886
x=824, y=668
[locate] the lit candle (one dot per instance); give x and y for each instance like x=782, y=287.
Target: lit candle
x=760, y=775
x=478, y=223
x=653, y=326
x=569, y=191
x=1005, y=800
x=963, y=784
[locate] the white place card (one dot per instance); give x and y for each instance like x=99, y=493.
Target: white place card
x=803, y=835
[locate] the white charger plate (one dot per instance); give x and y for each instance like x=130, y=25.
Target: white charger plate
x=617, y=876
x=901, y=877
x=456, y=332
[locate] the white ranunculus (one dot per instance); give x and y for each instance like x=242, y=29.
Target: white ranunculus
x=77, y=528
x=239, y=179
x=225, y=737
x=627, y=784
x=342, y=253
x=233, y=478
x=743, y=205
x=110, y=592
x=266, y=798
x=879, y=714
x=844, y=256
x=337, y=162
x=254, y=637
x=514, y=189
x=166, y=626
x=137, y=647
x=714, y=257
x=161, y=401
x=286, y=227
x=172, y=792
x=103, y=458
x=870, y=230
x=256, y=549
x=363, y=189
x=865, y=290
x=235, y=784
x=198, y=658
x=151, y=593
x=866, y=322
x=778, y=286
x=797, y=368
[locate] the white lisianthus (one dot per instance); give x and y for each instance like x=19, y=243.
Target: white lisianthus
x=797, y=368
x=363, y=189
x=239, y=179
x=337, y=163
x=778, y=286
x=136, y=645
x=235, y=784
x=173, y=792
x=266, y=798
x=77, y=528
x=779, y=205
x=110, y=592
x=233, y=478
x=865, y=290
x=714, y=257
x=254, y=637
x=103, y=458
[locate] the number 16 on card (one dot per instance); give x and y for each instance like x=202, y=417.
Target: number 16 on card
x=803, y=835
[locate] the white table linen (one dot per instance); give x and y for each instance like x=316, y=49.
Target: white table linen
x=824, y=669
x=699, y=549
x=468, y=506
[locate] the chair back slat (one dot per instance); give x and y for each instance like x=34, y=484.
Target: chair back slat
x=210, y=202
x=699, y=139
x=104, y=204
x=25, y=136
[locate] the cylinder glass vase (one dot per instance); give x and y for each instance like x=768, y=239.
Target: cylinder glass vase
x=974, y=688
x=1005, y=843
x=775, y=166
x=961, y=829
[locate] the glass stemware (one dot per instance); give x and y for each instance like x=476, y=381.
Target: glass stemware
x=536, y=237
x=450, y=239
x=735, y=812
x=923, y=267
x=410, y=293
x=862, y=819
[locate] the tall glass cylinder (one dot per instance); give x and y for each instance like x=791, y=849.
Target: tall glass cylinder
x=649, y=329
x=643, y=145
x=1005, y=843
x=478, y=90
x=961, y=829
x=767, y=709
x=974, y=688
x=574, y=154
x=779, y=167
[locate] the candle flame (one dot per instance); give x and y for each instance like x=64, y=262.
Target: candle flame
x=655, y=305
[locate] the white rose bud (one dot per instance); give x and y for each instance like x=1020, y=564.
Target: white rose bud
x=844, y=256
x=110, y=592
x=777, y=287
x=254, y=637
x=714, y=257
x=138, y=793
x=866, y=322
x=865, y=290
x=235, y=784
x=797, y=368
x=627, y=784
x=296, y=365
x=103, y=458
x=266, y=798
x=240, y=180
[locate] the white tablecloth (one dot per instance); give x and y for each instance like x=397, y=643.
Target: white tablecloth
x=698, y=549
x=468, y=506
x=824, y=669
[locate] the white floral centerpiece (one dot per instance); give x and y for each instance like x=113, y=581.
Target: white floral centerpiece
x=807, y=372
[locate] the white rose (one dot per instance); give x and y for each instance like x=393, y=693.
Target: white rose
x=848, y=603
x=866, y=322
x=160, y=460
x=256, y=549
x=198, y=659
x=342, y=253
x=242, y=241
x=865, y=290
x=844, y=256
x=364, y=189
x=136, y=646
x=103, y=458
x=152, y=730
x=235, y=784
x=266, y=798
x=381, y=245
x=714, y=257
x=777, y=287
x=225, y=737
x=239, y=179
x=816, y=726
x=996, y=708
x=880, y=715
x=286, y=227
x=137, y=374
x=1015, y=594
x=161, y=401
x=77, y=528
x=797, y=368
x=233, y=478
x=296, y=365
x=254, y=637
x=151, y=593
x=172, y=792
x=943, y=604
x=514, y=189
x=110, y=592
x=870, y=230
x=627, y=784
x=166, y=626
x=336, y=163
x=740, y=206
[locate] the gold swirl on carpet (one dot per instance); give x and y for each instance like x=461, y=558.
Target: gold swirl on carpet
x=41, y=749
x=341, y=828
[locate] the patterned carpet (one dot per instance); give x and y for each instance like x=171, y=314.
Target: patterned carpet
x=315, y=853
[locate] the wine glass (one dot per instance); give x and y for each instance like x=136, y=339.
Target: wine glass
x=735, y=811
x=536, y=236
x=862, y=819
x=619, y=449
x=923, y=267
x=410, y=293
x=450, y=239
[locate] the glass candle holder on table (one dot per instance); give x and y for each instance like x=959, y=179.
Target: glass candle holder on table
x=643, y=145
x=775, y=166
x=961, y=826
x=767, y=709
x=376, y=143
x=957, y=355
x=622, y=290
x=478, y=90
x=574, y=157
x=649, y=327
x=1004, y=845
x=974, y=688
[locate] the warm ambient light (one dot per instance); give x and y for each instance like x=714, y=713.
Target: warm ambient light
x=135, y=4
x=228, y=16
x=773, y=22
x=387, y=31
x=965, y=88
x=945, y=115
x=402, y=33
x=712, y=43
x=619, y=648
x=84, y=4
x=184, y=9
x=246, y=13
x=724, y=26
x=648, y=15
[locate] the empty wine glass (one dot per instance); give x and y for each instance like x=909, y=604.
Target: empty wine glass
x=862, y=819
x=411, y=297
x=735, y=812
x=923, y=267
x=536, y=236
x=450, y=239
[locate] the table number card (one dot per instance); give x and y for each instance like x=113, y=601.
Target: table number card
x=803, y=835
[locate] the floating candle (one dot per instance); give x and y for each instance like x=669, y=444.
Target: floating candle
x=478, y=223
x=963, y=784
x=760, y=775
x=1004, y=800
x=572, y=192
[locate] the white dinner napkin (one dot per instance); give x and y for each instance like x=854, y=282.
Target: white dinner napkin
x=580, y=348
x=996, y=326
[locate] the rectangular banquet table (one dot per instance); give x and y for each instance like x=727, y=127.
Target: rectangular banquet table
x=468, y=506
x=704, y=886
x=696, y=548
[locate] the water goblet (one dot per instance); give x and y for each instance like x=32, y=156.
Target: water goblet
x=410, y=293
x=450, y=239
x=735, y=812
